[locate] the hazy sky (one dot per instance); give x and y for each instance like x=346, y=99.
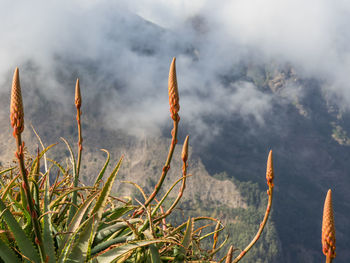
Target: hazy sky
x=100, y=42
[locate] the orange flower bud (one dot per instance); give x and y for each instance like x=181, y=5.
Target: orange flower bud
x=328, y=229
x=229, y=255
x=77, y=95
x=184, y=154
x=16, y=106
x=269, y=170
x=173, y=92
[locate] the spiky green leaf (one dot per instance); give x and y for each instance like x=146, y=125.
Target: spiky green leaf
x=114, y=214
x=107, y=231
x=48, y=227
x=80, y=249
x=25, y=245
x=155, y=257
x=77, y=219
x=101, y=202
x=99, y=177
x=40, y=156
x=188, y=234
x=118, y=252
x=72, y=208
x=7, y=254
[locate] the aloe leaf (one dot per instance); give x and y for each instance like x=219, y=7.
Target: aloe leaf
x=104, y=245
x=117, y=252
x=7, y=170
x=48, y=227
x=7, y=254
x=36, y=197
x=25, y=245
x=58, y=199
x=12, y=181
x=63, y=171
x=41, y=155
x=119, y=211
x=186, y=241
x=195, y=219
x=17, y=207
x=24, y=205
x=72, y=209
x=71, y=153
x=107, y=231
x=155, y=257
x=55, y=232
x=71, y=242
x=101, y=202
x=78, y=217
x=80, y=249
x=114, y=214
x=9, y=186
x=99, y=177
x=62, y=212
x=42, y=145
x=188, y=234
x=124, y=258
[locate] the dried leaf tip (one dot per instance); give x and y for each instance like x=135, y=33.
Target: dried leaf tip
x=229, y=255
x=269, y=170
x=16, y=106
x=184, y=154
x=77, y=95
x=173, y=92
x=328, y=228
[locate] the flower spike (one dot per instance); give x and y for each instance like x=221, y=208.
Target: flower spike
x=16, y=107
x=269, y=170
x=328, y=229
x=77, y=95
x=173, y=92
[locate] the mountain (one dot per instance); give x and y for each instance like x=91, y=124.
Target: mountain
x=299, y=120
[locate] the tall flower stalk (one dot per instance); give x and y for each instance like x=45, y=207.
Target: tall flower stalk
x=17, y=123
x=269, y=180
x=77, y=102
x=174, y=109
x=80, y=138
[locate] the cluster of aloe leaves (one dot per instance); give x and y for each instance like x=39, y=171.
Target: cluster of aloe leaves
x=62, y=221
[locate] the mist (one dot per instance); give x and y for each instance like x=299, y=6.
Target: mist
x=121, y=51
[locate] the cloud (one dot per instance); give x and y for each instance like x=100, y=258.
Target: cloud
x=123, y=61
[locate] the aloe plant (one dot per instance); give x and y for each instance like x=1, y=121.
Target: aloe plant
x=66, y=222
